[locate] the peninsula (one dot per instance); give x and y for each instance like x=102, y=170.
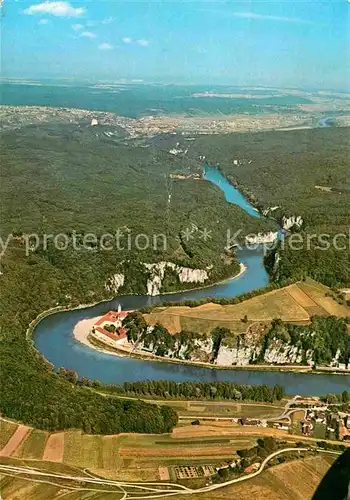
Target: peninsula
x=274, y=329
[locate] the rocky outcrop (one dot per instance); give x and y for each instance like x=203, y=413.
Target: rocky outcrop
x=238, y=356
x=255, y=239
x=185, y=275
x=278, y=353
x=177, y=150
x=188, y=275
x=269, y=210
x=115, y=282
x=156, y=272
x=293, y=221
x=194, y=350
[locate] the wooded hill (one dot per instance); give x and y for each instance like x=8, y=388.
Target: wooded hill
x=304, y=173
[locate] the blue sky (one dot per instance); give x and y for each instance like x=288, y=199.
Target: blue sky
x=289, y=43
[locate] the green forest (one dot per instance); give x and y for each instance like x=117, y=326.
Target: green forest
x=303, y=173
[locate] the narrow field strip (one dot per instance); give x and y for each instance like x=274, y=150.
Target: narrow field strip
x=15, y=440
x=54, y=448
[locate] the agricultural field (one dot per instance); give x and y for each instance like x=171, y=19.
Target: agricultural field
x=295, y=303
x=115, y=452
x=223, y=409
x=54, y=447
x=294, y=480
x=129, y=456
x=15, y=440
x=16, y=488
x=33, y=446
x=145, y=457
x=7, y=429
x=296, y=418
x=317, y=292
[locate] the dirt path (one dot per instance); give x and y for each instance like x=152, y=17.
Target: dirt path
x=15, y=440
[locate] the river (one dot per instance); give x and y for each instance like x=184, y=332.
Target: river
x=53, y=336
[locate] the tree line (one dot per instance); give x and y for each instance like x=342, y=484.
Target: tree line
x=168, y=389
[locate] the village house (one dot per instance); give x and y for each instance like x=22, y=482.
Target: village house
x=306, y=427
x=252, y=468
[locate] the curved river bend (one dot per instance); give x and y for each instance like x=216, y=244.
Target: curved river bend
x=53, y=336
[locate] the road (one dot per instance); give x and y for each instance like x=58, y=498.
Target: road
x=129, y=489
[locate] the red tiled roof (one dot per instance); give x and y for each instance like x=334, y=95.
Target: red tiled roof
x=112, y=316
x=120, y=335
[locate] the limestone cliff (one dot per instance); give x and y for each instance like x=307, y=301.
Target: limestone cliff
x=293, y=221
x=278, y=352
x=115, y=282
x=185, y=275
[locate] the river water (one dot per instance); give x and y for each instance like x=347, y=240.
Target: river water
x=53, y=336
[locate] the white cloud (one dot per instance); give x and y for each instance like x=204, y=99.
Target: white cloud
x=77, y=27
x=59, y=9
x=87, y=34
x=264, y=17
x=126, y=39
x=43, y=21
x=143, y=43
x=108, y=20
x=105, y=46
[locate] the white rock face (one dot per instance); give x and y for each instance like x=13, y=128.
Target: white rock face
x=115, y=282
x=179, y=351
x=188, y=275
x=270, y=237
x=228, y=356
x=278, y=353
x=154, y=285
x=267, y=211
x=289, y=222
x=185, y=274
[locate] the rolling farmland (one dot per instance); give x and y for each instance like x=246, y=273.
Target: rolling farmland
x=295, y=303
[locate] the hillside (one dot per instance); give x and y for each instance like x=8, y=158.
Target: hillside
x=122, y=197
x=294, y=303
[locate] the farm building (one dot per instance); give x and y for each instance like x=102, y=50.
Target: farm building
x=252, y=468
